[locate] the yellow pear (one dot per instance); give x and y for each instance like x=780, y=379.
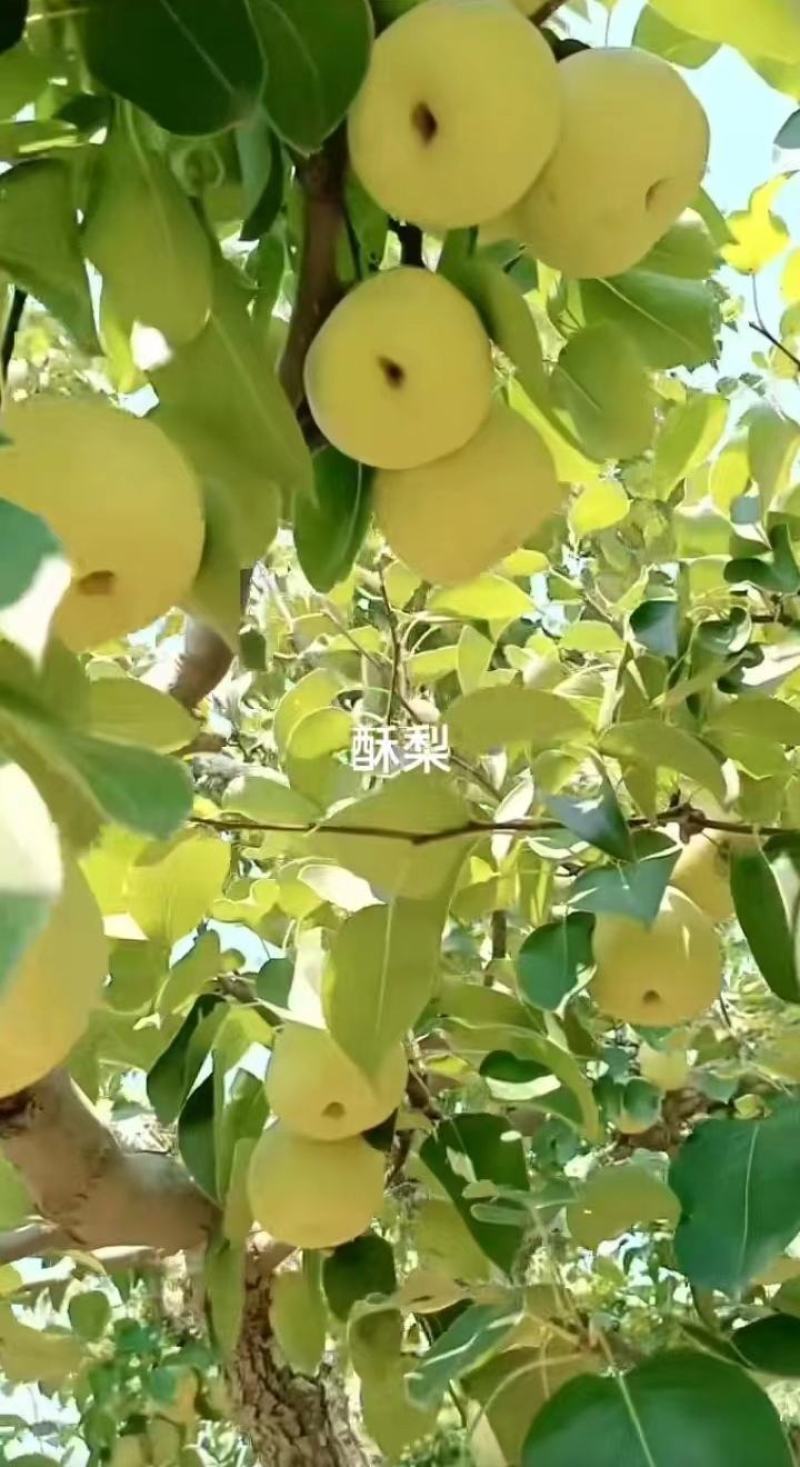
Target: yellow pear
x=667, y=1069
x=660, y=975
x=317, y=1090
x=458, y=113
x=701, y=872
x=630, y=158
x=122, y=500
x=401, y=372
x=164, y=1441
x=451, y=519
x=130, y=1451
x=46, y=1002
x=314, y=1194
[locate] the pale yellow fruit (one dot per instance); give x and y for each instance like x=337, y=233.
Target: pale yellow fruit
x=122, y=500
x=629, y=1125
x=316, y=1090
x=702, y=873
x=630, y=158
x=46, y=1002
x=661, y=975
x=130, y=1451
x=459, y=112
x=458, y=516
x=667, y=1069
x=401, y=372
x=164, y=1441
x=314, y=1194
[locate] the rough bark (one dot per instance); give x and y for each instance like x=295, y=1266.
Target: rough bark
x=291, y=1420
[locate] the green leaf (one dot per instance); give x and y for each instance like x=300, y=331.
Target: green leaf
x=634, y=889
x=778, y=571
x=489, y=598
x=175, y=60
x=354, y=1270
x=691, y=431
x=225, y=1286
x=298, y=1318
x=222, y=403
x=478, y=1147
x=33, y=577
x=771, y=1345
x=135, y=787
x=381, y=972
x=550, y=959
x=789, y=135
x=506, y=316
x=614, y=1199
x=264, y=795
x=765, y=885
x=602, y=382
x=177, y=1067
x=477, y=1333
x=597, y=508
x=89, y=1314
x=12, y=23
x=687, y=250
x=146, y=241
x=414, y=801
x=646, y=741
x=15, y=1202
x=215, y=596
x=196, y=1138
x=738, y=1183
x=656, y=624
x=316, y=58
x=491, y=717
x=329, y=530
x=760, y=717
x=769, y=28
x=47, y=262
x=171, y=889
x=124, y=710
x=597, y=819
x=655, y=33
x=672, y=321
x=678, y=1405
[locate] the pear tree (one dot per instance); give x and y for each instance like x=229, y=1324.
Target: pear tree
x=399, y=729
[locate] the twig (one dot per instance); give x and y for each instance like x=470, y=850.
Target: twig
x=10, y=330
x=697, y=820
x=410, y=238
x=547, y=11
x=499, y=935
x=32, y=1241
x=397, y=648
x=779, y=346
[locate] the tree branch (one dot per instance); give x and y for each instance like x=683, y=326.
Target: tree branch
x=774, y=341
x=94, y=1193
x=206, y=657
x=547, y=11
x=31, y=1241
x=10, y=329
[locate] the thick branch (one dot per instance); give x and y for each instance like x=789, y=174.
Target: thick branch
x=32, y=1241
x=94, y=1193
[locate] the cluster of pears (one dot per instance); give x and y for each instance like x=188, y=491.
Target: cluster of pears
x=314, y=1181
x=464, y=118
x=670, y=972
x=400, y=377
x=122, y=500
x=47, y=999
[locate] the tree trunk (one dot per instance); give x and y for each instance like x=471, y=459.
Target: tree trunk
x=291, y=1420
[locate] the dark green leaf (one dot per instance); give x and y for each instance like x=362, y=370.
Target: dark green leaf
x=789, y=134
x=136, y=787
x=365, y=1266
x=551, y=957
x=274, y=981
x=25, y=542
x=679, y=1408
x=672, y=321
x=598, y=820
x=194, y=66
x=261, y=158
x=478, y=1332
x=738, y=1183
x=656, y=625
x=196, y=1136
x=176, y=1070
x=766, y=885
x=771, y=1345
x=492, y=1156
x=777, y=572
x=89, y=1314
x=12, y=23
x=316, y=57
x=636, y=888
x=328, y=531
